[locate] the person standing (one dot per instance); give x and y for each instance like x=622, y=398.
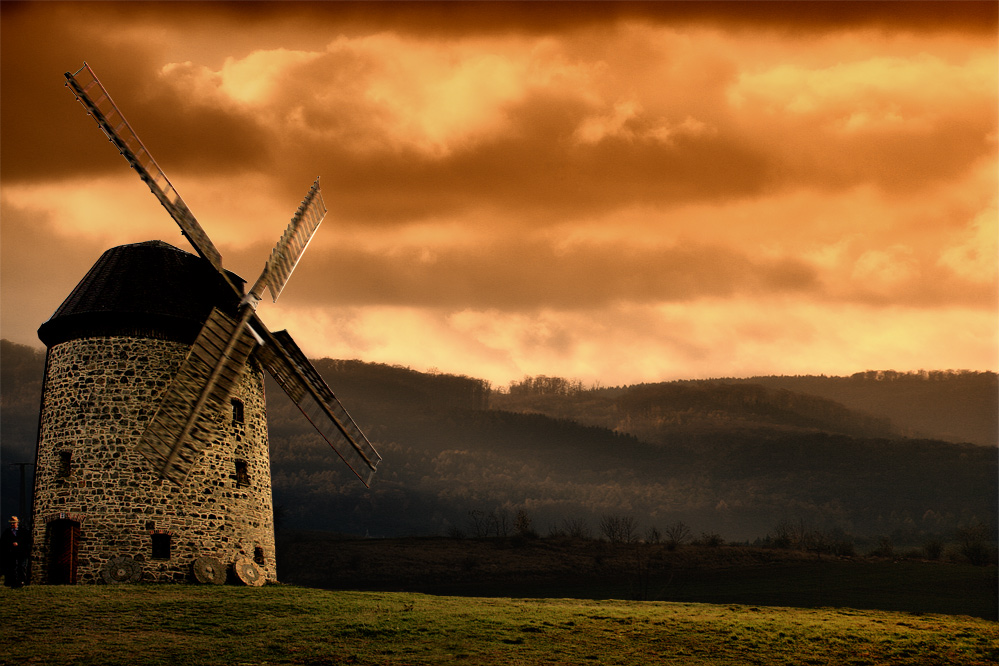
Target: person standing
x=14, y=549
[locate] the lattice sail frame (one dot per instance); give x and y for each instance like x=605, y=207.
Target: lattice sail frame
x=182, y=426
x=290, y=368
x=180, y=429
x=296, y=238
x=95, y=98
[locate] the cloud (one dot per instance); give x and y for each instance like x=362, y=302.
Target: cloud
x=901, y=123
x=630, y=343
x=38, y=268
x=442, y=18
x=536, y=123
x=974, y=257
x=622, y=188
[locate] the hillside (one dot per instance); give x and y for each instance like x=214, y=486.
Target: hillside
x=959, y=407
x=950, y=406
x=734, y=458
x=729, y=458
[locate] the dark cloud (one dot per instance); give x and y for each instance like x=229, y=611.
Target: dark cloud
x=447, y=18
x=535, y=172
x=191, y=134
x=47, y=135
x=41, y=124
x=535, y=274
x=534, y=169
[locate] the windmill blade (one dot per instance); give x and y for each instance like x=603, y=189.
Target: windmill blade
x=98, y=102
x=182, y=427
x=282, y=358
x=286, y=254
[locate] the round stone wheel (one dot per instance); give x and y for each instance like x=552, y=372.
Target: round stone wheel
x=121, y=570
x=208, y=570
x=247, y=572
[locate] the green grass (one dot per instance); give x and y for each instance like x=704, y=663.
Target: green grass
x=187, y=624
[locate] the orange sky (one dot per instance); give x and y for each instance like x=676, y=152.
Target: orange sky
x=616, y=193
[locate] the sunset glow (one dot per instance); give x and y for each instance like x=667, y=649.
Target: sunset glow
x=611, y=192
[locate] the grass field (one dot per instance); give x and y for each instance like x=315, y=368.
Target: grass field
x=280, y=624
x=599, y=570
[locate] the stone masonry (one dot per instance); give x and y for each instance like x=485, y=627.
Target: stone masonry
x=99, y=394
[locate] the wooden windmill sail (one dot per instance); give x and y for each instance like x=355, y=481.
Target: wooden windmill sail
x=182, y=425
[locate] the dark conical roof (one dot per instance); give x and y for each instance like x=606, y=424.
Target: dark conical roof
x=149, y=289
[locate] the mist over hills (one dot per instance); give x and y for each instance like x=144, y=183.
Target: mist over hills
x=732, y=457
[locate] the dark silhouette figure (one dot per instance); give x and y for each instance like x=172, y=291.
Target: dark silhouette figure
x=15, y=546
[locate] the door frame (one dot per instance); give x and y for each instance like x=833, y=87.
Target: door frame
x=63, y=540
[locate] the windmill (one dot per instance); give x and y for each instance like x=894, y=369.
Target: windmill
x=184, y=423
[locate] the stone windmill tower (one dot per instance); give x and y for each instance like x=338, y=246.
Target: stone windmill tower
x=152, y=459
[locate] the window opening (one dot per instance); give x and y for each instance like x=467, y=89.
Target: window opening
x=258, y=556
x=65, y=463
x=237, y=411
x=242, y=474
x=161, y=546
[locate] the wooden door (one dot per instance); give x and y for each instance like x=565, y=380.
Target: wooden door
x=64, y=544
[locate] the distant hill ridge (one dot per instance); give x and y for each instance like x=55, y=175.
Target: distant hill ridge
x=954, y=406
x=660, y=412
x=731, y=456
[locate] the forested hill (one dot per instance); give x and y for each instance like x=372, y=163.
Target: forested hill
x=732, y=457
x=728, y=457
x=946, y=405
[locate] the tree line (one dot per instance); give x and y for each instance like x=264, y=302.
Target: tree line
x=974, y=543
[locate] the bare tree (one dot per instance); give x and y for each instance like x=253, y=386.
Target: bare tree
x=629, y=529
x=618, y=529
x=677, y=534
x=576, y=528
x=609, y=527
x=499, y=522
x=479, y=523
x=787, y=534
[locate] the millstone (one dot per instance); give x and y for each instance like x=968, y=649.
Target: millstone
x=208, y=570
x=121, y=570
x=247, y=572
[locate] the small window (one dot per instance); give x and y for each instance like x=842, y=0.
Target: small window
x=237, y=411
x=161, y=546
x=242, y=474
x=65, y=463
x=258, y=556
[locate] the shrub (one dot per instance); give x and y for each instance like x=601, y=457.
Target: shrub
x=712, y=540
x=885, y=548
x=523, y=526
x=977, y=544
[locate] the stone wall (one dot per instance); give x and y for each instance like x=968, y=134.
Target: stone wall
x=99, y=394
